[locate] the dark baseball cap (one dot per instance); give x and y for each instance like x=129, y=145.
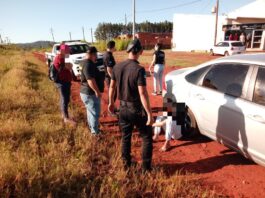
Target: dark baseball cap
x=92, y=50
x=134, y=45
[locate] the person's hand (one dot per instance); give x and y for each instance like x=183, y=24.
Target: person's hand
x=68, y=66
x=150, y=120
x=150, y=70
x=111, y=108
x=98, y=94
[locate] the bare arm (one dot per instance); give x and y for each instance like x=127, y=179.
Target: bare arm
x=111, y=95
x=146, y=104
x=109, y=70
x=152, y=63
x=159, y=124
x=92, y=84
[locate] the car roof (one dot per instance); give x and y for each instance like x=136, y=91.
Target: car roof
x=72, y=43
x=257, y=58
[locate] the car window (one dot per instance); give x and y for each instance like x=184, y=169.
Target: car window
x=237, y=44
x=259, y=92
x=195, y=76
x=78, y=49
x=220, y=44
x=226, y=45
x=226, y=78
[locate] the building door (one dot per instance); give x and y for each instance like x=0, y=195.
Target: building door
x=256, y=38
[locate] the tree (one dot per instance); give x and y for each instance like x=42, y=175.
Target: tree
x=108, y=31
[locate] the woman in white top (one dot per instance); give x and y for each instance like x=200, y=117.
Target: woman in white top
x=169, y=126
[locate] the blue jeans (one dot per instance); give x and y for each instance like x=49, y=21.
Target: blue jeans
x=65, y=93
x=92, y=104
x=158, y=75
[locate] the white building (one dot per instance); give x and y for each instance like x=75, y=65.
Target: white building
x=196, y=32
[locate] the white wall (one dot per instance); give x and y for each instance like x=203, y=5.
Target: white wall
x=195, y=32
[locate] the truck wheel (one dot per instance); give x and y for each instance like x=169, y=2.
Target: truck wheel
x=189, y=128
x=49, y=63
x=75, y=79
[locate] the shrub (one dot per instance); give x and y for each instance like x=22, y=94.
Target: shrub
x=121, y=44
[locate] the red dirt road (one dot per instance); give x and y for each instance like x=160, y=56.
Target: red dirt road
x=216, y=166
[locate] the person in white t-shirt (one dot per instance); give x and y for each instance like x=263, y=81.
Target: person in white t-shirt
x=168, y=123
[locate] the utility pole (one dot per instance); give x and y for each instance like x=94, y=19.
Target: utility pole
x=133, y=30
x=51, y=30
x=70, y=36
x=125, y=20
x=216, y=20
x=92, y=36
x=83, y=30
x=1, y=41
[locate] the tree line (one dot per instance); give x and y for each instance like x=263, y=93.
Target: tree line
x=107, y=31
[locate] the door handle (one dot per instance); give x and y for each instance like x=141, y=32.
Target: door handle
x=199, y=96
x=257, y=118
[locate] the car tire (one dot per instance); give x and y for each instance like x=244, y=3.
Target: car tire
x=211, y=52
x=49, y=63
x=190, y=127
x=226, y=53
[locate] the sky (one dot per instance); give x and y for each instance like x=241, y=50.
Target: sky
x=31, y=20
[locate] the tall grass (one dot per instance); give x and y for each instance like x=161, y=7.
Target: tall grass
x=40, y=157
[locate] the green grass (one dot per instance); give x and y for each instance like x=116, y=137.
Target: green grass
x=41, y=157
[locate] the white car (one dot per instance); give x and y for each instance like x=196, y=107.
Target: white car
x=77, y=55
x=228, y=48
x=225, y=100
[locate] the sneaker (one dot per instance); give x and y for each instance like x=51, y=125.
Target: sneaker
x=159, y=93
x=165, y=148
x=154, y=93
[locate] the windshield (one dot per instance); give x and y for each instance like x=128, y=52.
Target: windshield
x=237, y=44
x=78, y=49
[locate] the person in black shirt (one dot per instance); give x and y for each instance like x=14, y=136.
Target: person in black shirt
x=130, y=79
x=109, y=63
x=92, y=87
x=158, y=63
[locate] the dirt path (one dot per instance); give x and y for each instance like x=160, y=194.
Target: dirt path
x=216, y=166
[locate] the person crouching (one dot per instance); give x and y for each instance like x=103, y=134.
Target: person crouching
x=167, y=122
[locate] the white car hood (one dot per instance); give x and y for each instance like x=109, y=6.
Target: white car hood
x=76, y=57
x=177, y=72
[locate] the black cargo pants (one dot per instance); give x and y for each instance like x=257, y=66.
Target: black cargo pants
x=134, y=115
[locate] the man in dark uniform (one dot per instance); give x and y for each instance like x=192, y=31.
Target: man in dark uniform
x=109, y=63
x=92, y=87
x=130, y=79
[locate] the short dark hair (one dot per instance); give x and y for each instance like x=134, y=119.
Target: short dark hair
x=92, y=50
x=159, y=46
x=111, y=44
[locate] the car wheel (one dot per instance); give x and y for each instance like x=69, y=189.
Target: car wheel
x=226, y=53
x=189, y=128
x=211, y=52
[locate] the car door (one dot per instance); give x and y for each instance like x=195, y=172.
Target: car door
x=218, y=101
x=218, y=48
x=254, y=113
